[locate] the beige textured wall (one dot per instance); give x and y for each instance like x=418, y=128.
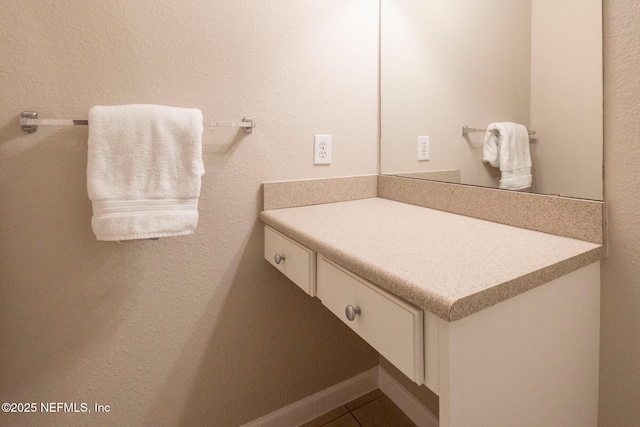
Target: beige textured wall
x=446, y=64
x=620, y=331
x=195, y=330
x=566, y=97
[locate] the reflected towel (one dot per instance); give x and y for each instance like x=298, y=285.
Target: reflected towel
x=509, y=150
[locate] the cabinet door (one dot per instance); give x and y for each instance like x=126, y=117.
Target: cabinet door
x=389, y=324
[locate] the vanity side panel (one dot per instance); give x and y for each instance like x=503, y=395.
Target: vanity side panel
x=530, y=361
x=431, y=351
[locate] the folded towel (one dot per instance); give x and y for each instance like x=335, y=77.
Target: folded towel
x=508, y=149
x=143, y=171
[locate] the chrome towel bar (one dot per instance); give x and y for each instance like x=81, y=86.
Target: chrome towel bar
x=467, y=130
x=29, y=122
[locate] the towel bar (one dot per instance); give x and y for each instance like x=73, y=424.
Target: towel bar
x=466, y=130
x=29, y=122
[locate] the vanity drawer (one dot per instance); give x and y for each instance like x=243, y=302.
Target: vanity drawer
x=392, y=326
x=293, y=260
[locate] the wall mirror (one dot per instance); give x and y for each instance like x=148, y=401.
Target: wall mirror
x=449, y=63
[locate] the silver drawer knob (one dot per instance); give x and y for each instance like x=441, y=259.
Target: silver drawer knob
x=352, y=312
x=279, y=258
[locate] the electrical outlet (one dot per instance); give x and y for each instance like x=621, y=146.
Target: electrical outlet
x=423, y=148
x=322, y=150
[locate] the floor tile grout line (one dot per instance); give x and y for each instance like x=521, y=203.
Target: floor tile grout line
x=351, y=412
x=355, y=409
x=333, y=419
x=340, y=416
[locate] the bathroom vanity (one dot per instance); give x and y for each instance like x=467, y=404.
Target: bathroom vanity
x=501, y=322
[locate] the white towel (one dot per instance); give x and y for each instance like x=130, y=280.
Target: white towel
x=509, y=150
x=143, y=171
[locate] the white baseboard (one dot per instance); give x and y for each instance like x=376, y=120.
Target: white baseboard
x=320, y=403
x=324, y=401
x=405, y=400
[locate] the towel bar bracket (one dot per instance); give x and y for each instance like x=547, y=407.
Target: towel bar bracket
x=248, y=129
x=23, y=121
x=467, y=130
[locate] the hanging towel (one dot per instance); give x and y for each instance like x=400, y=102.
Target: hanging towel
x=143, y=171
x=509, y=150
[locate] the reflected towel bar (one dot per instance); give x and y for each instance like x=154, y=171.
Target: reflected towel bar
x=29, y=122
x=466, y=130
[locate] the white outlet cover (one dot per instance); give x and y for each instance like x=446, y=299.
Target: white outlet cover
x=322, y=150
x=423, y=148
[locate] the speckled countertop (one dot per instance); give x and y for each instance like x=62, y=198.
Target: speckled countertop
x=450, y=265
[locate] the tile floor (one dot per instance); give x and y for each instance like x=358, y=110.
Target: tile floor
x=373, y=409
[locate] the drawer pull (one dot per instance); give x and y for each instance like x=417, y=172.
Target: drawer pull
x=279, y=258
x=352, y=312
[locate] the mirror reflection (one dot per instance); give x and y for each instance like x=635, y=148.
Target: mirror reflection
x=535, y=63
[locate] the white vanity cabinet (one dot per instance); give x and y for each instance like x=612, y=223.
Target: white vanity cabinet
x=502, y=323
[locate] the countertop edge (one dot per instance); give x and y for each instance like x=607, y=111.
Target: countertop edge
x=474, y=303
